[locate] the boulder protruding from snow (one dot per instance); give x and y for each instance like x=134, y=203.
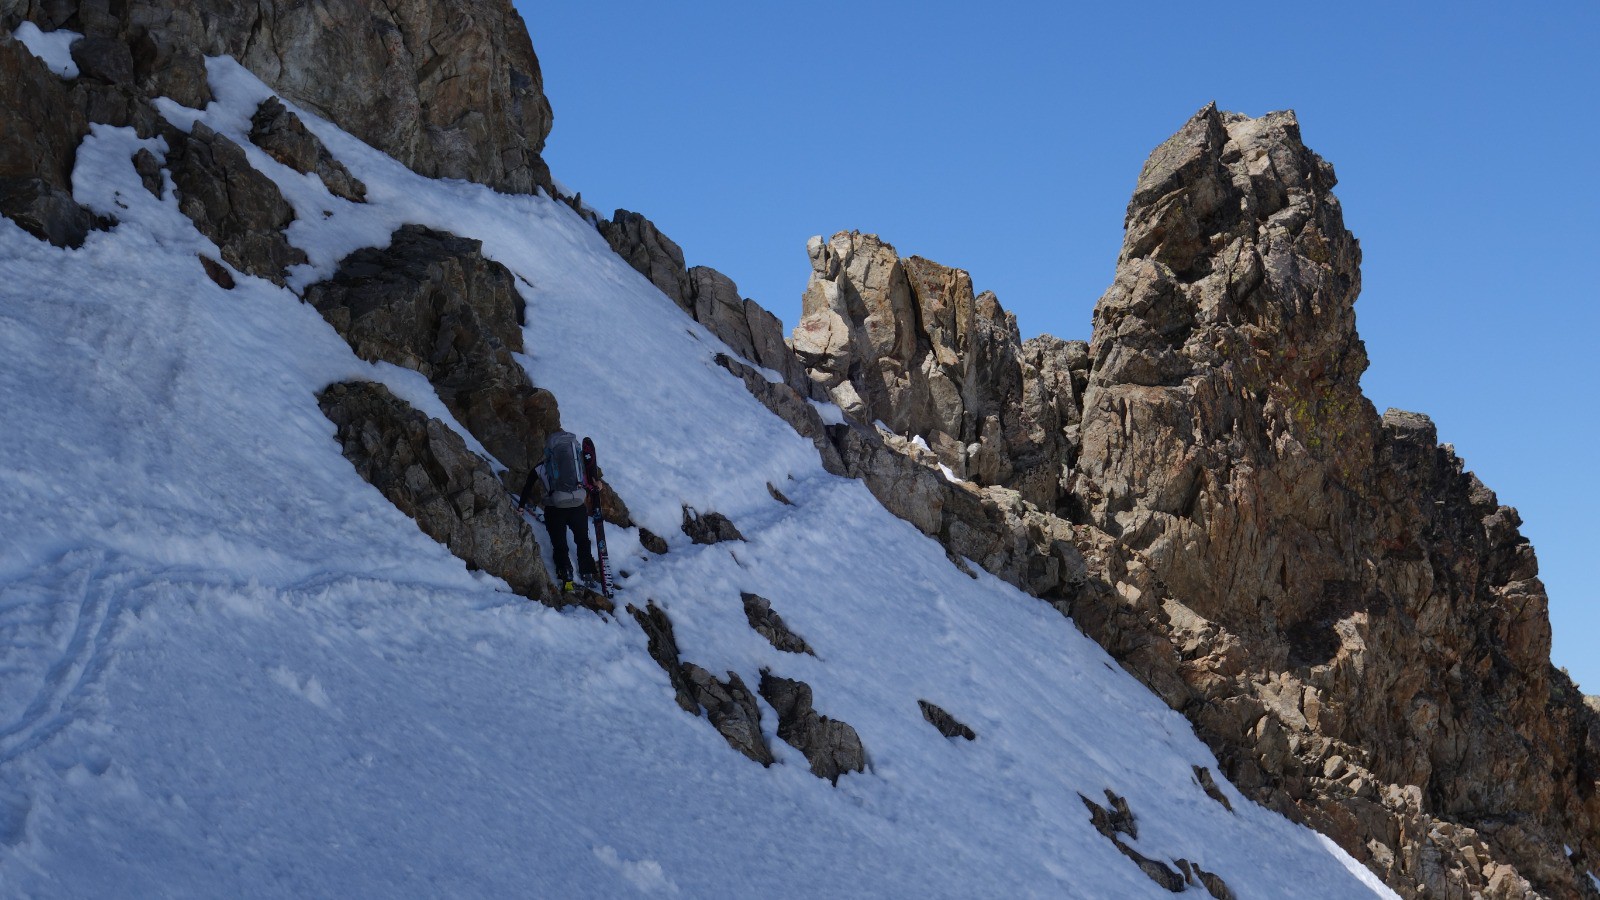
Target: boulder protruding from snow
x=425, y=469
x=758, y=611
x=732, y=710
x=831, y=746
x=432, y=302
x=708, y=527
x=729, y=705
x=231, y=203
x=286, y=139
x=1115, y=820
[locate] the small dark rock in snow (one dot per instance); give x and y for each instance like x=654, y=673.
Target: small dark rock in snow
x=947, y=724
x=217, y=272
x=770, y=625
x=708, y=528
x=831, y=746
x=653, y=542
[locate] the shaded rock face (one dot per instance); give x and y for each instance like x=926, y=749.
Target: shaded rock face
x=452, y=90
x=907, y=343
x=431, y=302
x=425, y=469
x=653, y=254
x=231, y=203
x=280, y=132
x=831, y=746
x=729, y=705
x=40, y=129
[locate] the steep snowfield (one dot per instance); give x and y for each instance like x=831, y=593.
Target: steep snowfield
x=231, y=668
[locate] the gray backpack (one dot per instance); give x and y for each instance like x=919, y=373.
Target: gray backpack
x=563, y=470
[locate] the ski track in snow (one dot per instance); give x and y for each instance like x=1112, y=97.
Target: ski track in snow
x=232, y=668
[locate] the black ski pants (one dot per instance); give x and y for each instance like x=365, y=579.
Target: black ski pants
x=558, y=520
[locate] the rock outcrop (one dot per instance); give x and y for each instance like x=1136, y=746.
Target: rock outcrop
x=451, y=90
x=831, y=746
x=433, y=303
x=651, y=253
x=1356, y=623
x=40, y=130
x=234, y=205
x=425, y=469
x=906, y=342
x=280, y=132
x=729, y=705
x=710, y=297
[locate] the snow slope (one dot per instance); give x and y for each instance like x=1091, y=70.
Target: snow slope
x=231, y=668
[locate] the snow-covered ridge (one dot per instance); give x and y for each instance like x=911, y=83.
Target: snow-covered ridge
x=234, y=669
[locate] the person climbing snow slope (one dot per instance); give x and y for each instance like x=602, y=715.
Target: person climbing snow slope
x=560, y=478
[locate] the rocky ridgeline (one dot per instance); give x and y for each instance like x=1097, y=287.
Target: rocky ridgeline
x=1351, y=620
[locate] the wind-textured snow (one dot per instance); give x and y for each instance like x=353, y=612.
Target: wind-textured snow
x=231, y=668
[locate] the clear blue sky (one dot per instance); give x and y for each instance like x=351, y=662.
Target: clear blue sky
x=1005, y=138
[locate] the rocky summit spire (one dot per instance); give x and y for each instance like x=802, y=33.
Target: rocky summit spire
x=1357, y=623
x=1224, y=431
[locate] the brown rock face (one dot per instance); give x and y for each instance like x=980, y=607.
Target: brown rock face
x=452, y=90
x=907, y=343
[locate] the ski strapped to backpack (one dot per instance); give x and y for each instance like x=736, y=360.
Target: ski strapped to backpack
x=591, y=483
